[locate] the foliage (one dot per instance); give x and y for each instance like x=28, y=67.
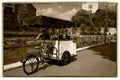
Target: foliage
x=83, y=19
x=92, y=23
x=101, y=16
x=81, y=16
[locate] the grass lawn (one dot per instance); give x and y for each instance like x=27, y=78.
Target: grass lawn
x=108, y=51
x=12, y=55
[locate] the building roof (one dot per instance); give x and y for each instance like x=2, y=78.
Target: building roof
x=46, y=22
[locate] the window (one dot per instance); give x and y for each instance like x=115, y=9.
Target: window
x=90, y=6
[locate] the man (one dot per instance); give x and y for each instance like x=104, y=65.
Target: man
x=109, y=38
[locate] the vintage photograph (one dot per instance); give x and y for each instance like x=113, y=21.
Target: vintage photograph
x=60, y=39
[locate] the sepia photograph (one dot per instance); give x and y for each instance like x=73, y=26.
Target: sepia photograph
x=59, y=39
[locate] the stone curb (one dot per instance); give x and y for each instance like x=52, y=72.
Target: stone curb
x=12, y=65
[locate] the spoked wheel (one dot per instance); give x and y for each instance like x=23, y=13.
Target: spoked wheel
x=66, y=57
x=31, y=64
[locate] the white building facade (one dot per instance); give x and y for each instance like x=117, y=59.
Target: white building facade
x=91, y=7
x=111, y=30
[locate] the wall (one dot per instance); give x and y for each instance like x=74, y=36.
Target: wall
x=90, y=7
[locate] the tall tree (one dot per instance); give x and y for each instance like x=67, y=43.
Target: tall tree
x=21, y=14
x=100, y=18
x=83, y=19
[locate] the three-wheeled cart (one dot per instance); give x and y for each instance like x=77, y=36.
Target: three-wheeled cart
x=53, y=42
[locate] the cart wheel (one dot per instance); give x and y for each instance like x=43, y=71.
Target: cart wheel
x=66, y=57
x=31, y=64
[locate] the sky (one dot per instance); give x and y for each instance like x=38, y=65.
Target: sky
x=58, y=10
x=62, y=10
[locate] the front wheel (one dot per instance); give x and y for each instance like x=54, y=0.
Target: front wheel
x=66, y=58
x=31, y=64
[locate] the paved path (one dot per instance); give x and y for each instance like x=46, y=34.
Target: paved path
x=88, y=63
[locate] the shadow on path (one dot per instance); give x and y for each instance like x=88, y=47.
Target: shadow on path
x=53, y=62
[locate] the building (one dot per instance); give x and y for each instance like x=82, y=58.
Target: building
x=111, y=30
x=94, y=6
x=91, y=7
x=14, y=13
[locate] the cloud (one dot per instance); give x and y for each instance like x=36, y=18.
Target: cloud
x=47, y=12
x=51, y=12
x=68, y=14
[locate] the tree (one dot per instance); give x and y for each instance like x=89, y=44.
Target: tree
x=112, y=18
x=83, y=19
x=94, y=22
x=100, y=18
x=21, y=14
x=82, y=28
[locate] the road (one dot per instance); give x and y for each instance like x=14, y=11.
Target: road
x=88, y=63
